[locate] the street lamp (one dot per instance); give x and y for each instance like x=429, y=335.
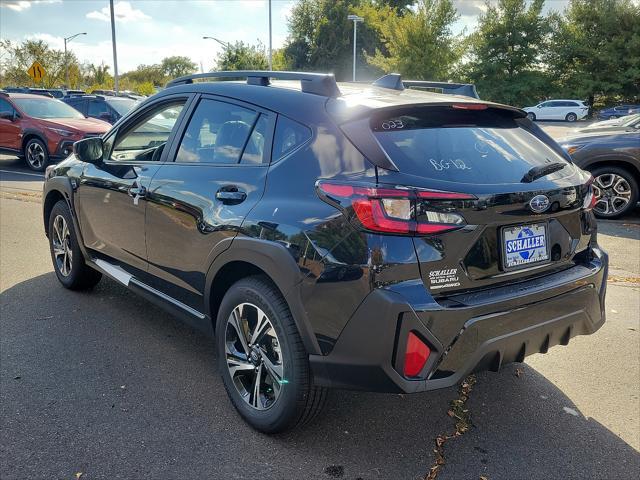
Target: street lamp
x=66, y=59
x=224, y=44
x=355, y=19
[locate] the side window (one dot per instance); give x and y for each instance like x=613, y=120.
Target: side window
x=217, y=133
x=5, y=106
x=254, y=151
x=145, y=140
x=289, y=135
x=570, y=104
x=546, y=104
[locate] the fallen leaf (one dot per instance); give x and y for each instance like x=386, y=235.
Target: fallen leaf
x=519, y=372
x=78, y=475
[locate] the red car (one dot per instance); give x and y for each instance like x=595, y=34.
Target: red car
x=40, y=129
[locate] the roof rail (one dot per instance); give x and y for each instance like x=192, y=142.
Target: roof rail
x=317, y=83
x=394, y=81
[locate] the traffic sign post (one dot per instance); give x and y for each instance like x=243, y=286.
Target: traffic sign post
x=36, y=72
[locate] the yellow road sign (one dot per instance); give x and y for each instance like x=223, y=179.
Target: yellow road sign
x=36, y=72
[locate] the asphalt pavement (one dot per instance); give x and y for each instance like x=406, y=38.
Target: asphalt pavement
x=104, y=385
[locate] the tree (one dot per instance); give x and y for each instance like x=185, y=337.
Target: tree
x=17, y=58
x=595, y=50
x=505, y=52
x=321, y=37
x=243, y=56
x=147, y=73
x=420, y=44
x=177, y=66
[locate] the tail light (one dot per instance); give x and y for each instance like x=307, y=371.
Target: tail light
x=404, y=211
x=590, y=197
x=416, y=355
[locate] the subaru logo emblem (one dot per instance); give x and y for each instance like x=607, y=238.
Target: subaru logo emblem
x=539, y=203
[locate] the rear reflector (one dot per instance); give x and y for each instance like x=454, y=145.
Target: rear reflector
x=590, y=198
x=393, y=210
x=416, y=355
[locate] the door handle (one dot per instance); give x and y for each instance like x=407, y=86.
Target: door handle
x=231, y=197
x=137, y=192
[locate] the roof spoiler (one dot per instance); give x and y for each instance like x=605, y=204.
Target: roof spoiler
x=316, y=83
x=394, y=81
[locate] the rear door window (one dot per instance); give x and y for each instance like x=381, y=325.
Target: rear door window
x=445, y=144
x=218, y=132
x=289, y=136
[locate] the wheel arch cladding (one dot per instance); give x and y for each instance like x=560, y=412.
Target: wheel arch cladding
x=53, y=197
x=622, y=163
x=29, y=135
x=251, y=256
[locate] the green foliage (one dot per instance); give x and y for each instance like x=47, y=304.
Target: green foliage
x=420, y=45
x=147, y=73
x=243, y=56
x=321, y=37
x=505, y=52
x=177, y=66
x=595, y=50
x=17, y=59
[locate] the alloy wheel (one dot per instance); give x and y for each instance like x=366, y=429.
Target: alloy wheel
x=61, y=240
x=35, y=155
x=254, y=356
x=612, y=192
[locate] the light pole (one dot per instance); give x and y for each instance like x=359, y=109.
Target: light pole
x=355, y=19
x=66, y=59
x=270, y=51
x=224, y=44
x=113, y=42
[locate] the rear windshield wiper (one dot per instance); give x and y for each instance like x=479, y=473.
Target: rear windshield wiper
x=541, y=171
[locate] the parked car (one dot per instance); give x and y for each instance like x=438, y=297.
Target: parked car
x=628, y=123
x=40, y=129
x=613, y=158
x=109, y=109
x=569, y=110
x=618, y=111
x=334, y=235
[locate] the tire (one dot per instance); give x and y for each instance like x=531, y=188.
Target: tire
x=613, y=183
x=531, y=116
x=36, y=155
x=280, y=405
x=571, y=117
x=68, y=262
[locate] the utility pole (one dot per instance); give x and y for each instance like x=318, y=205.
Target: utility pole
x=270, y=51
x=66, y=58
x=113, y=42
x=355, y=19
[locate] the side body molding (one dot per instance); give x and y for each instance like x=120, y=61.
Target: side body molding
x=274, y=259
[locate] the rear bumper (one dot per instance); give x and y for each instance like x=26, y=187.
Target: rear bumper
x=466, y=333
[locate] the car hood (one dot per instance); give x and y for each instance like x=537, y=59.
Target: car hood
x=85, y=125
x=585, y=137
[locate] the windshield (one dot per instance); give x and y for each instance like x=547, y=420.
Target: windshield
x=46, y=108
x=122, y=105
x=630, y=120
x=482, y=147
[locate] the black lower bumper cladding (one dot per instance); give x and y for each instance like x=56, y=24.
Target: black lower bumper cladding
x=480, y=331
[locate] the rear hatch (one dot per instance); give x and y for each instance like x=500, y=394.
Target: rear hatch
x=494, y=200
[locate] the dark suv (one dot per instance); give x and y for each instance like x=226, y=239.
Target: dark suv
x=352, y=236
x=108, y=109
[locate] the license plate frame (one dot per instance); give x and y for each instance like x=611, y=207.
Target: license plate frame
x=540, y=254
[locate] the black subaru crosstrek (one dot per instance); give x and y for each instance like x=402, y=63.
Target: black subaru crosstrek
x=354, y=236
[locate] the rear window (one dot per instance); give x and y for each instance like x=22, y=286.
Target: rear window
x=464, y=146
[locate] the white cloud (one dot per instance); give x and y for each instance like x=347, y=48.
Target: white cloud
x=470, y=8
x=123, y=12
x=20, y=5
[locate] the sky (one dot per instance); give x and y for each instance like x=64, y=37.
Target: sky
x=149, y=30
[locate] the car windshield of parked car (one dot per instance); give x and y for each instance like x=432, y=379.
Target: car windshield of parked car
x=630, y=120
x=46, y=108
x=122, y=105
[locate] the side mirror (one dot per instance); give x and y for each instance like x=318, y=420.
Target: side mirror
x=7, y=115
x=107, y=117
x=538, y=106
x=89, y=150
